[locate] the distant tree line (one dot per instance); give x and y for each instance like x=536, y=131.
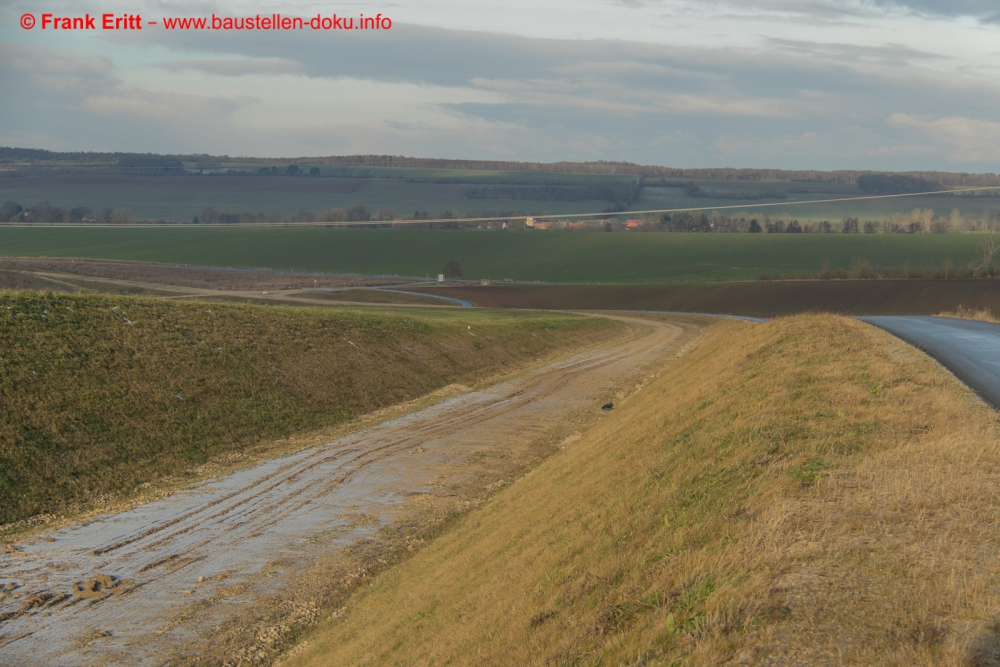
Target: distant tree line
x=44, y=212
x=917, y=221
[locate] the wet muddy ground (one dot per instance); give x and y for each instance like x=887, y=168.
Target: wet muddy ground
x=152, y=584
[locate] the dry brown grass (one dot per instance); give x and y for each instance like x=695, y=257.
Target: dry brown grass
x=806, y=491
x=966, y=313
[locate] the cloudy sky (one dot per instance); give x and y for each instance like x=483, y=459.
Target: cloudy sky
x=912, y=84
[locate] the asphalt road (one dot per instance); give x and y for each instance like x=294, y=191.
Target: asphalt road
x=969, y=349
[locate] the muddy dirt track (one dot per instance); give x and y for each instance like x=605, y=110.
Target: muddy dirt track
x=149, y=584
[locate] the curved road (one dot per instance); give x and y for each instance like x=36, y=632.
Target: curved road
x=969, y=349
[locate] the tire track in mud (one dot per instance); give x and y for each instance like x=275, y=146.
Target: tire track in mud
x=459, y=419
x=163, y=556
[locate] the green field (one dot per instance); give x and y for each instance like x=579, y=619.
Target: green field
x=454, y=175
x=575, y=257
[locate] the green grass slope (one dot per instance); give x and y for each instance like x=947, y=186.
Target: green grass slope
x=101, y=394
x=545, y=255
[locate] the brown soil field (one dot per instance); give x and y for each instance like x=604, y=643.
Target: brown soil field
x=371, y=296
x=201, y=183
x=754, y=299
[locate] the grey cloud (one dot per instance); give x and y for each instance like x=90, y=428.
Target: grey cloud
x=422, y=55
x=79, y=102
x=235, y=67
x=566, y=86
x=950, y=7
x=894, y=54
x=982, y=9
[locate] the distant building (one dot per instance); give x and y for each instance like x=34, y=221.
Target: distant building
x=633, y=224
x=529, y=223
x=440, y=277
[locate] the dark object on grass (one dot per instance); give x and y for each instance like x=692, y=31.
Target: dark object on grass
x=608, y=406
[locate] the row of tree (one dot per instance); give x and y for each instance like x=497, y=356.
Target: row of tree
x=919, y=220
x=45, y=212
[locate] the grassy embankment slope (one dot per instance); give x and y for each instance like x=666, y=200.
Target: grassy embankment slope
x=575, y=257
x=809, y=489
x=102, y=394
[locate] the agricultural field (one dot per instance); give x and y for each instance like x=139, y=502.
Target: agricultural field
x=746, y=299
x=660, y=197
x=551, y=256
x=180, y=197
x=432, y=175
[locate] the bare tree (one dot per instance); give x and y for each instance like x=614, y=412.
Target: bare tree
x=987, y=247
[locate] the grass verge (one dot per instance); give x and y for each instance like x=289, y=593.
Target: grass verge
x=105, y=395
x=810, y=490
x=967, y=313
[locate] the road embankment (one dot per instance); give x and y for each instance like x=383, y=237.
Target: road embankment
x=107, y=397
x=810, y=490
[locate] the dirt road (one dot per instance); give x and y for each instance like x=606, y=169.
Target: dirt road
x=144, y=585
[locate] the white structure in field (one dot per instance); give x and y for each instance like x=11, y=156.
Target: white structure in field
x=440, y=277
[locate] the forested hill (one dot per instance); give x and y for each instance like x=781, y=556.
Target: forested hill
x=36, y=159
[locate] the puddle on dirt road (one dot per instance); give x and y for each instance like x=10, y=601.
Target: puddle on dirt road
x=127, y=588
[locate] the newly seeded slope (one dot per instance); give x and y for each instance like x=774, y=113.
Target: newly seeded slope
x=102, y=394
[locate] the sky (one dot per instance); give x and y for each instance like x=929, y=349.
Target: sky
x=817, y=84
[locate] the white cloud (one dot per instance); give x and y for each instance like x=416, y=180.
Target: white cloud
x=964, y=139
